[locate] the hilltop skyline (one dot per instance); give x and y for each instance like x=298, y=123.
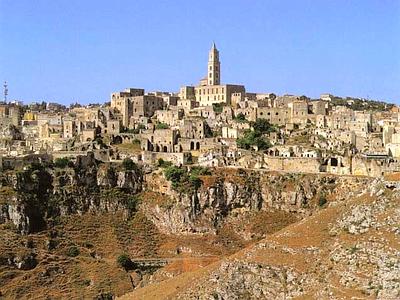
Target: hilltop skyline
x=71, y=51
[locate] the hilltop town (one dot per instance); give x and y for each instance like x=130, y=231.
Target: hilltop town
x=209, y=193
x=211, y=124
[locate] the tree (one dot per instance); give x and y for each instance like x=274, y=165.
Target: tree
x=129, y=164
x=62, y=162
x=163, y=164
x=241, y=118
x=218, y=107
x=253, y=138
x=125, y=262
x=174, y=175
x=263, y=126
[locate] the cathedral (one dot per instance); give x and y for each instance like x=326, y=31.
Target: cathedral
x=210, y=90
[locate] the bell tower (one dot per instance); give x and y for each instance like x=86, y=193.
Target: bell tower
x=214, y=71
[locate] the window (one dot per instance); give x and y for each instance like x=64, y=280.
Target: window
x=210, y=75
x=210, y=68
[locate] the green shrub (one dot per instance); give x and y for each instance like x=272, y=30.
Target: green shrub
x=133, y=203
x=162, y=126
x=241, y=118
x=125, y=262
x=73, y=251
x=62, y=162
x=263, y=126
x=322, y=201
x=174, y=175
x=253, y=138
x=129, y=164
x=141, y=127
x=99, y=140
x=200, y=171
x=195, y=181
x=218, y=107
x=217, y=132
x=185, y=181
x=136, y=142
x=163, y=164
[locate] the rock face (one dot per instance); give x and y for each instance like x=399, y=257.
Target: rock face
x=30, y=197
x=225, y=195
x=239, y=280
x=348, y=250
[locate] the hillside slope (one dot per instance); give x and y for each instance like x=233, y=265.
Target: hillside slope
x=349, y=250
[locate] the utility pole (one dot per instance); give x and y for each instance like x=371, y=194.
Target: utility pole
x=5, y=91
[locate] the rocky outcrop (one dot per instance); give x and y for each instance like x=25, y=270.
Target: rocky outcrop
x=30, y=197
x=241, y=280
x=225, y=195
x=348, y=250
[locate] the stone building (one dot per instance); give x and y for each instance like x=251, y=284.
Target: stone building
x=160, y=140
x=275, y=115
x=298, y=112
x=193, y=128
x=210, y=90
x=9, y=115
x=113, y=127
x=171, y=117
x=187, y=92
x=122, y=102
x=187, y=104
x=70, y=128
x=146, y=105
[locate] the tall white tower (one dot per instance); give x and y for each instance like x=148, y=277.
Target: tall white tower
x=214, y=71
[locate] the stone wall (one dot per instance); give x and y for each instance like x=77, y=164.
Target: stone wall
x=176, y=158
x=293, y=164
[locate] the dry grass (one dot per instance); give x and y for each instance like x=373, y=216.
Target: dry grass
x=129, y=148
x=311, y=233
x=393, y=176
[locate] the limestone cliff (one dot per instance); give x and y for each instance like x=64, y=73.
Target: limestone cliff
x=347, y=250
x=229, y=193
x=30, y=198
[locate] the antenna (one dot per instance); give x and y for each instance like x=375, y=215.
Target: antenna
x=5, y=91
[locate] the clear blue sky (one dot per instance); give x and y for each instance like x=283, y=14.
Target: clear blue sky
x=82, y=50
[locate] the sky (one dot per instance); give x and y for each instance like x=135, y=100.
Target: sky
x=83, y=50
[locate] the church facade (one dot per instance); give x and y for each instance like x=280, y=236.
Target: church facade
x=210, y=90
